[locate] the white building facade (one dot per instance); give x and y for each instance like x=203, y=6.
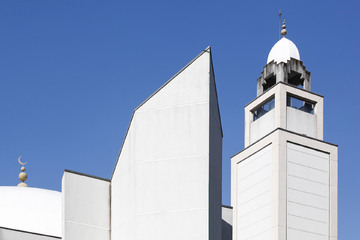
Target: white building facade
x=284, y=183
x=166, y=184
x=167, y=180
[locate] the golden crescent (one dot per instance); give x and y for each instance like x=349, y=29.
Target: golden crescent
x=20, y=161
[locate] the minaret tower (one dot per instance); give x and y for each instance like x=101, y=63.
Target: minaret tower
x=284, y=183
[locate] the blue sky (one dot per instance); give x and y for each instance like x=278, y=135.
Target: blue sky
x=72, y=72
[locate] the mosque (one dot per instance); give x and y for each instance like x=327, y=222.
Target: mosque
x=167, y=180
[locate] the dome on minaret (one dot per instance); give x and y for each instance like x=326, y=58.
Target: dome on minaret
x=283, y=50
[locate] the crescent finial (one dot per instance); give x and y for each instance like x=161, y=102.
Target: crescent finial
x=22, y=175
x=20, y=161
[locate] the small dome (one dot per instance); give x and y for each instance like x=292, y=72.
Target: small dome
x=31, y=209
x=283, y=50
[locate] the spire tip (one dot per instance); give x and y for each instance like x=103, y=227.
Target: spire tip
x=22, y=175
x=283, y=31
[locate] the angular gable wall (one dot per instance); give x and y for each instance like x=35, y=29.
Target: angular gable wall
x=167, y=181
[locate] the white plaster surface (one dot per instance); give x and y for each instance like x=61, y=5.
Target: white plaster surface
x=161, y=184
x=307, y=193
x=86, y=207
x=283, y=50
x=262, y=126
x=301, y=122
x=254, y=196
x=30, y=209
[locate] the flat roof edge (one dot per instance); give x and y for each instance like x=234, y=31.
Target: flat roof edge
x=285, y=130
x=87, y=175
x=287, y=84
x=34, y=233
x=227, y=206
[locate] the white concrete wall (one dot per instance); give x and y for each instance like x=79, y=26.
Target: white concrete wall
x=161, y=183
x=86, y=207
x=254, y=196
x=301, y=175
x=307, y=193
x=262, y=126
x=301, y=122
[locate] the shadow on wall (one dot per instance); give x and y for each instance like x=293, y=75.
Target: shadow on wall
x=226, y=231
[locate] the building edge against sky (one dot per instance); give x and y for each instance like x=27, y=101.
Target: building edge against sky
x=284, y=183
x=166, y=182
x=168, y=175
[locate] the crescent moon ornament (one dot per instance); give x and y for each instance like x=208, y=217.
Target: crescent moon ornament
x=22, y=175
x=20, y=161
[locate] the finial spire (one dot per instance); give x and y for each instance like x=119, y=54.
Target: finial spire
x=283, y=31
x=22, y=175
x=279, y=22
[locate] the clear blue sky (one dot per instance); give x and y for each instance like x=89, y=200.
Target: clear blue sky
x=72, y=72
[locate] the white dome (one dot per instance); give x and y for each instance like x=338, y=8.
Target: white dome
x=283, y=50
x=31, y=209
